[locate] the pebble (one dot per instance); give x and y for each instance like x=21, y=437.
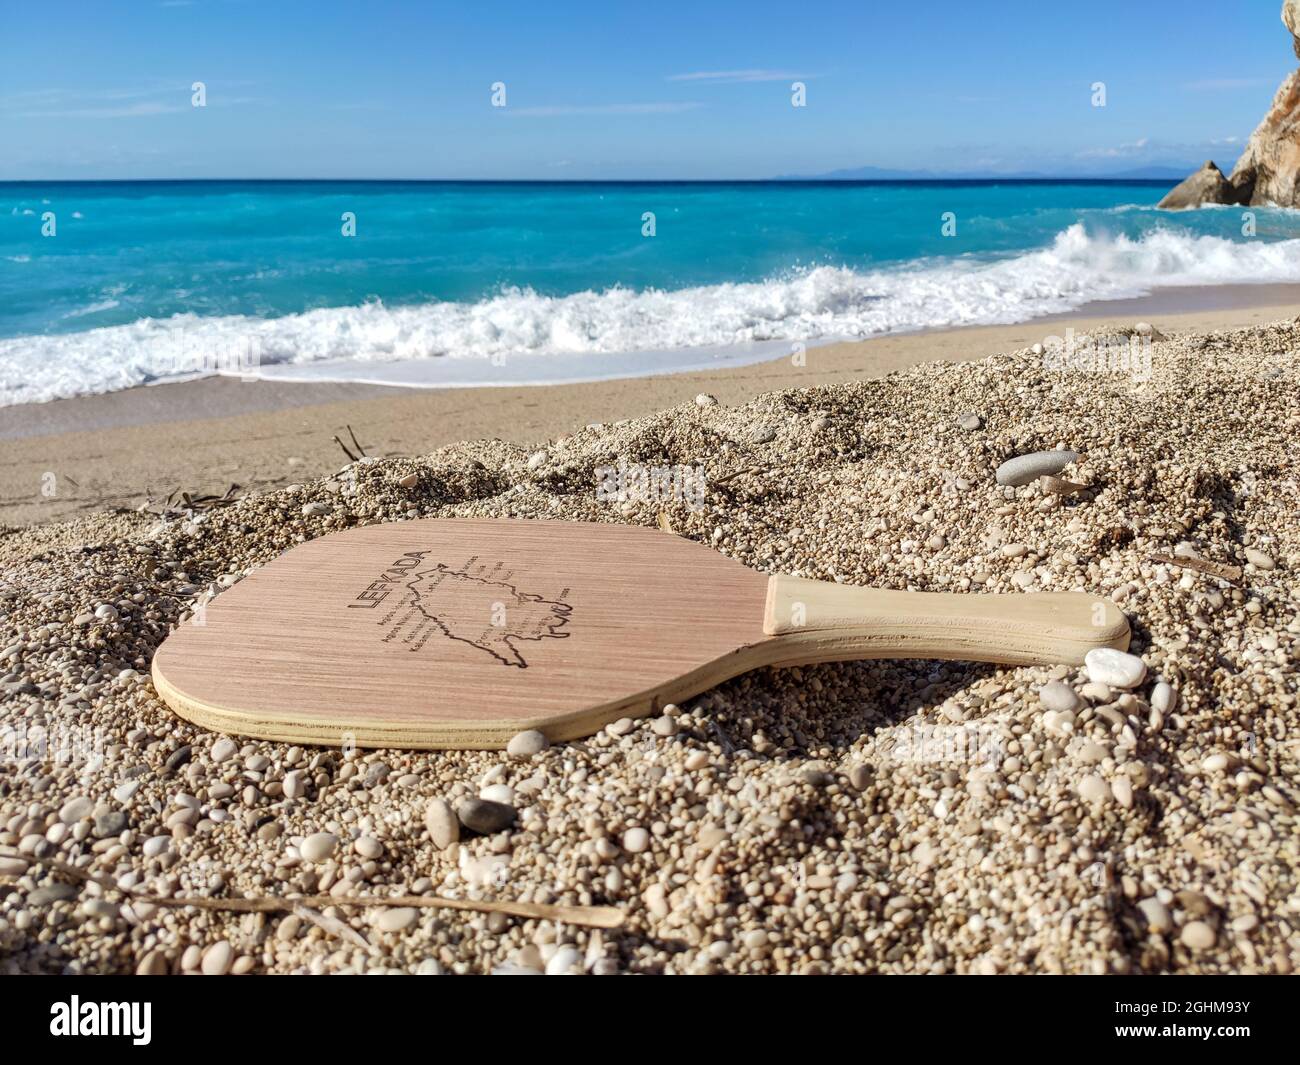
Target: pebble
x=409, y=481
x=76, y=809
x=1156, y=914
x=564, y=962
x=318, y=846
x=1114, y=668
x=295, y=787
x=395, y=918
x=43, y=896
x=1215, y=763
x=538, y=459
x=498, y=793
x=155, y=845
x=224, y=749
x=106, y=612
x=1058, y=696
x=312, y=510
x=1163, y=698
x=970, y=422
x=1258, y=559
x=109, y=823
x=1094, y=789
x=152, y=964
x=526, y=744
x=123, y=793
x=441, y=821
x=705, y=400
x=217, y=958
x=1024, y=469
x=177, y=758
x=368, y=847
x=636, y=840
x=485, y=816
x=1198, y=935
x=1094, y=692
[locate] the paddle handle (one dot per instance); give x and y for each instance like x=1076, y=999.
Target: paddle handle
x=821, y=621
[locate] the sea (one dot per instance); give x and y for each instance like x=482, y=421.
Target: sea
x=112, y=285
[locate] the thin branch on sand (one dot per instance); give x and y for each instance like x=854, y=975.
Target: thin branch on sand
x=588, y=916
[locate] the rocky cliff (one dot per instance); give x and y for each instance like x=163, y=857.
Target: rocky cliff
x=1268, y=171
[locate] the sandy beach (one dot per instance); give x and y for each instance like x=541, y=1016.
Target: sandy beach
x=792, y=821
x=122, y=449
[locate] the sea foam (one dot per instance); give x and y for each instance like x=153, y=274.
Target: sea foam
x=521, y=337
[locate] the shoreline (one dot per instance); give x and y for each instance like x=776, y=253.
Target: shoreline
x=72, y=456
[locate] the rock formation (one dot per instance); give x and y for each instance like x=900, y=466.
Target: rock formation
x=1268, y=172
x=1207, y=185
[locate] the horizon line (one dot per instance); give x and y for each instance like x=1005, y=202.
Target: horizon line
x=937, y=179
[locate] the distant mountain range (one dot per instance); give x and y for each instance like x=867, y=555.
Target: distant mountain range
x=876, y=173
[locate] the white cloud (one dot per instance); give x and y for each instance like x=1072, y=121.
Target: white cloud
x=1135, y=147
x=141, y=110
x=739, y=76
x=159, y=99
x=565, y=110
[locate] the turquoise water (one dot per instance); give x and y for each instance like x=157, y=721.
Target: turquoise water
x=140, y=276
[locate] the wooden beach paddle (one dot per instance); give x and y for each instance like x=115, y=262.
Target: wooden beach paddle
x=459, y=634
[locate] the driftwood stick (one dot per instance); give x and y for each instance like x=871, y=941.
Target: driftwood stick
x=588, y=916
x=1200, y=565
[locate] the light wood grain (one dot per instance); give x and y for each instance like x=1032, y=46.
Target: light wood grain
x=460, y=633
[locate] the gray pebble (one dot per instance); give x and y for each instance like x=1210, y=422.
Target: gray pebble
x=970, y=422
x=110, y=823
x=1024, y=469
x=177, y=759
x=1059, y=696
x=43, y=896
x=485, y=816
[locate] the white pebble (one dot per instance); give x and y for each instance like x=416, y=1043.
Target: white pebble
x=526, y=744
x=396, y=919
x=76, y=809
x=217, y=958
x=564, y=962
x=1118, y=669
x=1094, y=789
x=318, y=846
x=498, y=793
x=1163, y=698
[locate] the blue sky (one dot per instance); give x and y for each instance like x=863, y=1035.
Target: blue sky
x=636, y=90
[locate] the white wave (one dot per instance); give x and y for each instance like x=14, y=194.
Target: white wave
x=521, y=329
x=93, y=308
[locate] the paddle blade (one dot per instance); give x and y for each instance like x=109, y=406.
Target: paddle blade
x=460, y=633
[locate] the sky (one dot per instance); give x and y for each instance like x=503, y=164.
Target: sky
x=614, y=90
